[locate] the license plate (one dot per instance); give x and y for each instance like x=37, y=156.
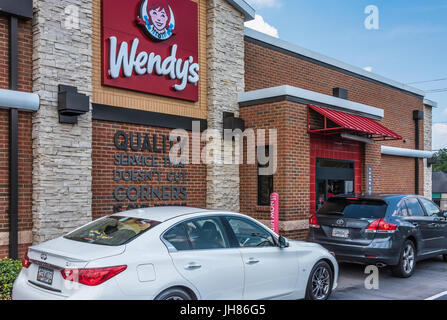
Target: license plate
x=45, y=275
x=340, y=233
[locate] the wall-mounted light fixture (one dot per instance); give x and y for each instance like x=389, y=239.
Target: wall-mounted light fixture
x=356, y=138
x=431, y=161
x=230, y=122
x=71, y=104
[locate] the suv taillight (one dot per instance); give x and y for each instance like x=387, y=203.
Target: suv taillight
x=381, y=226
x=313, y=223
x=25, y=261
x=91, y=277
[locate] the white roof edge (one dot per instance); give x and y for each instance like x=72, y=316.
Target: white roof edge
x=430, y=103
x=243, y=7
x=402, y=152
x=25, y=101
x=328, y=60
x=312, y=96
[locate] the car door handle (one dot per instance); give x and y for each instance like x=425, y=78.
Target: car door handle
x=193, y=266
x=252, y=261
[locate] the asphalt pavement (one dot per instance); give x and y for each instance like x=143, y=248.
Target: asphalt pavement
x=429, y=282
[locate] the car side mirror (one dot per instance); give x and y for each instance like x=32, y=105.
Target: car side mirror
x=283, y=243
x=444, y=214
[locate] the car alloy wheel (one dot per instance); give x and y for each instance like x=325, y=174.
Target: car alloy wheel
x=174, y=294
x=176, y=298
x=408, y=259
x=321, y=283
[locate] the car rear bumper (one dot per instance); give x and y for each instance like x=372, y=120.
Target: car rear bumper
x=383, y=252
x=24, y=289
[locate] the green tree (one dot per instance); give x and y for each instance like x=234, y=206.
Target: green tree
x=441, y=161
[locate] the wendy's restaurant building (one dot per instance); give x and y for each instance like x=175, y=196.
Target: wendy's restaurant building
x=111, y=105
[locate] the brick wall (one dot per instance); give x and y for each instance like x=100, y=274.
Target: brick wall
x=25, y=138
x=295, y=179
x=292, y=178
x=103, y=186
x=266, y=68
x=397, y=175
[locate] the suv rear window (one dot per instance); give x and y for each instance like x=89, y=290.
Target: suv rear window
x=112, y=231
x=354, y=208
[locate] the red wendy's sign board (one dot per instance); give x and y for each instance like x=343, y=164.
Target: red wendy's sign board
x=151, y=46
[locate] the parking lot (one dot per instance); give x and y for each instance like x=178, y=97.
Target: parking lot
x=428, y=282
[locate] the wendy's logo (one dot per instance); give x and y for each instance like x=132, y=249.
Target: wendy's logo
x=157, y=19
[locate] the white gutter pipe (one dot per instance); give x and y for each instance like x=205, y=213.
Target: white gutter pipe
x=410, y=153
x=23, y=101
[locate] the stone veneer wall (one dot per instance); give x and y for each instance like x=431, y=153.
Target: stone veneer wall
x=225, y=75
x=62, y=165
x=428, y=122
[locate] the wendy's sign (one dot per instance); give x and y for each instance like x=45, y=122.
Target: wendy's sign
x=158, y=19
x=151, y=46
x=274, y=212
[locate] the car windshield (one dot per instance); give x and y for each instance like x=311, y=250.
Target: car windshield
x=354, y=208
x=112, y=231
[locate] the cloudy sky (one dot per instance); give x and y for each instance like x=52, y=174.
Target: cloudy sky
x=409, y=46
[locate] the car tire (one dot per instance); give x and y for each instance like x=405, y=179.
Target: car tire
x=319, y=285
x=407, y=261
x=444, y=257
x=174, y=294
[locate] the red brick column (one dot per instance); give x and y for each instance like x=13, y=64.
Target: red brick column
x=25, y=138
x=292, y=179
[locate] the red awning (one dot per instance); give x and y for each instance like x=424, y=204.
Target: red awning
x=346, y=122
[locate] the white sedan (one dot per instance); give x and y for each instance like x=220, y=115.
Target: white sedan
x=176, y=253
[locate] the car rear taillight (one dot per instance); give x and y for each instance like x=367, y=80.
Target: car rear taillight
x=380, y=225
x=92, y=277
x=313, y=223
x=25, y=261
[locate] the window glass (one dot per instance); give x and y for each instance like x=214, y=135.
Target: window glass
x=335, y=164
x=414, y=208
x=112, y=231
x=250, y=235
x=265, y=182
x=178, y=238
x=206, y=233
x=403, y=211
x=431, y=209
x=354, y=208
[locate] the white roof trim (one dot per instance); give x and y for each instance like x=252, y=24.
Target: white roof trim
x=430, y=103
x=402, y=152
x=25, y=101
x=328, y=60
x=244, y=8
x=311, y=96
